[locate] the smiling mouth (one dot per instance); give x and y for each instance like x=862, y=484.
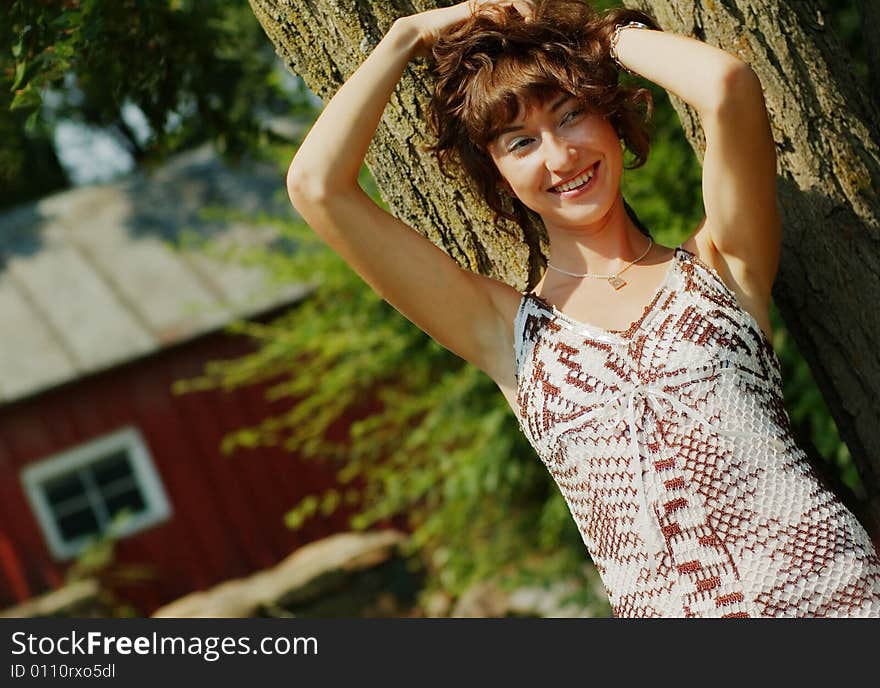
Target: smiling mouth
x=578, y=182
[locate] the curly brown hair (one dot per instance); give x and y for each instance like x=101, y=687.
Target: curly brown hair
x=495, y=63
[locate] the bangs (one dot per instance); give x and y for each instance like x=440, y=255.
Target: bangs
x=500, y=93
x=495, y=68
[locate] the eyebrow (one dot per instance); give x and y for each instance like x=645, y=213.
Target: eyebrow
x=553, y=108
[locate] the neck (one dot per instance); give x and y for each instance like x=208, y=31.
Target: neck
x=602, y=247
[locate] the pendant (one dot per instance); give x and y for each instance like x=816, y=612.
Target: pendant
x=616, y=282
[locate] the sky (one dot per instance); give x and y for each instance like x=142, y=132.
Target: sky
x=91, y=155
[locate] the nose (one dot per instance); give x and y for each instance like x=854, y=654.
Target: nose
x=559, y=153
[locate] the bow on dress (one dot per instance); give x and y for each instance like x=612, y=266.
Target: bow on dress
x=652, y=393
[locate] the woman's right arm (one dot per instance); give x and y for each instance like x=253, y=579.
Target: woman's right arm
x=467, y=313
x=330, y=157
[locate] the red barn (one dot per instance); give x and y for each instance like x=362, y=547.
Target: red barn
x=100, y=315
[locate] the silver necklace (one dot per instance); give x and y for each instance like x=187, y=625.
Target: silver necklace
x=614, y=279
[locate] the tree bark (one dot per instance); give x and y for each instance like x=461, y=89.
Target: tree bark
x=826, y=131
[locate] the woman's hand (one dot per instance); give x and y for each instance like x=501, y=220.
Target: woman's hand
x=431, y=24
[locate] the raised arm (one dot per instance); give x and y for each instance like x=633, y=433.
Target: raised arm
x=456, y=307
x=739, y=165
x=330, y=157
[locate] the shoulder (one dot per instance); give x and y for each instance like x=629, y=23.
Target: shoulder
x=752, y=291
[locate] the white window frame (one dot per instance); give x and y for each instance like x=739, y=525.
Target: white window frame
x=128, y=439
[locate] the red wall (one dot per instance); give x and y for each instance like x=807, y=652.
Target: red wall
x=227, y=511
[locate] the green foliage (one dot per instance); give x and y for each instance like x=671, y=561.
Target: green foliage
x=666, y=192
x=97, y=562
x=435, y=440
x=198, y=70
x=843, y=17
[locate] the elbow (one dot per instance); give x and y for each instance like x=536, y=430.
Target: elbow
x=304, y=189
x=738, y=84
x=309, y=187
x=739, y=78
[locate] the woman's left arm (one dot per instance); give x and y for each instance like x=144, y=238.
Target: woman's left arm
x=739, y=165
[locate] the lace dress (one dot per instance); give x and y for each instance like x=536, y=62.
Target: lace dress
x=672, y=447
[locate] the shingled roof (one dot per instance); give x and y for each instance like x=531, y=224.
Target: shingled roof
x=90, y=278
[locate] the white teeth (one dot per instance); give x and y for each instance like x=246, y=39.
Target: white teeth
x=576, y=182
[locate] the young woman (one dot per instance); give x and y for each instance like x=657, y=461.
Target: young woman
x=643, y=376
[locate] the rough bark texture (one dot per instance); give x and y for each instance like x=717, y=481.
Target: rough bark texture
x=826, y=131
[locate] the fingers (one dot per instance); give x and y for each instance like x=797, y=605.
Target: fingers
x=524, y=7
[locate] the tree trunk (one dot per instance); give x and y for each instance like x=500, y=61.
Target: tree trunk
x=826, y=131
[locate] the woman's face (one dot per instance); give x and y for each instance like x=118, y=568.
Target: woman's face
x=547, y=156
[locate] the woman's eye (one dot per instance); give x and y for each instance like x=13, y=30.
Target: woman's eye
x=517, y=144
x=574, y=114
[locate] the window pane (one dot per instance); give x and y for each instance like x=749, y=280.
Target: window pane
x=132, y=500
x=111, y=468
x=82, y=491
x=115, y=479
x=77, y=524
x=63, y=488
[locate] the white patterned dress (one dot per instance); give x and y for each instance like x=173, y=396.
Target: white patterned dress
x=672, y=447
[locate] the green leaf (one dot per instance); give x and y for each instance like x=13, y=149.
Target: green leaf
x=30, y=124
x=20, y=71
x=26, y=98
